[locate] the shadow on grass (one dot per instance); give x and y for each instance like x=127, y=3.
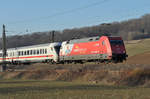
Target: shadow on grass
x=54, y=88
x=19, y=82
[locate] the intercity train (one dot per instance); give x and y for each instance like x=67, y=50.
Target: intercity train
x=97, y=49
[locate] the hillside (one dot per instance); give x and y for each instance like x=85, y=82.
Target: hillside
x=143, y=58
x=138, y=51
x=135, y=47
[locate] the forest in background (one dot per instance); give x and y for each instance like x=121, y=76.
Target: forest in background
x=129, y=30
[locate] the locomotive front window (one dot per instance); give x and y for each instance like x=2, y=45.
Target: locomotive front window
x=116, y=42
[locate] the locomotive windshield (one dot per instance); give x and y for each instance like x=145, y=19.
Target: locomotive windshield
x=116, y=42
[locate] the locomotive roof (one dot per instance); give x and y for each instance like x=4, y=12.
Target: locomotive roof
x=33, y=46
x=96, y=38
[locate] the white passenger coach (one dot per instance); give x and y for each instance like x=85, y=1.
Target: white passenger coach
x=37, y=53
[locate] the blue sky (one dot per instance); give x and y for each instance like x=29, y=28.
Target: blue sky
x=44, y=15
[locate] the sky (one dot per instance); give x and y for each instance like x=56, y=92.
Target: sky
x=27, y=16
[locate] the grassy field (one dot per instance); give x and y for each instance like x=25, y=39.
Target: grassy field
x=137, y=47
x=30, y=89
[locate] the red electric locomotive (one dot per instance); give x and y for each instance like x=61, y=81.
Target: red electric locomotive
x=102, y=48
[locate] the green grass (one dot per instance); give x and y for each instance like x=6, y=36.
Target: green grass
x=138, y=48
x=30, y=89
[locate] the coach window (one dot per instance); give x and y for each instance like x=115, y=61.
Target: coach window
x=40, y=51
x=45, y=51
x=28, y=52
x=21, y=53
x=25, y=53
x=37, y=51
x=34, y=52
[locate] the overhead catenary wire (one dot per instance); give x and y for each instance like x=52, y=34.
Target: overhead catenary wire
x=76, y=10
x=54, y=15
x=59, y=13
x=125, y=16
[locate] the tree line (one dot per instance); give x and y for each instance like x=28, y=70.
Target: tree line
x=129, y=30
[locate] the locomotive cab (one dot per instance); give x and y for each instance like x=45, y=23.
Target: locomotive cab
x=117, y=48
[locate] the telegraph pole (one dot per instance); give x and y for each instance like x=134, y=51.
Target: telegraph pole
x=4, y=49
x=53, y=36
